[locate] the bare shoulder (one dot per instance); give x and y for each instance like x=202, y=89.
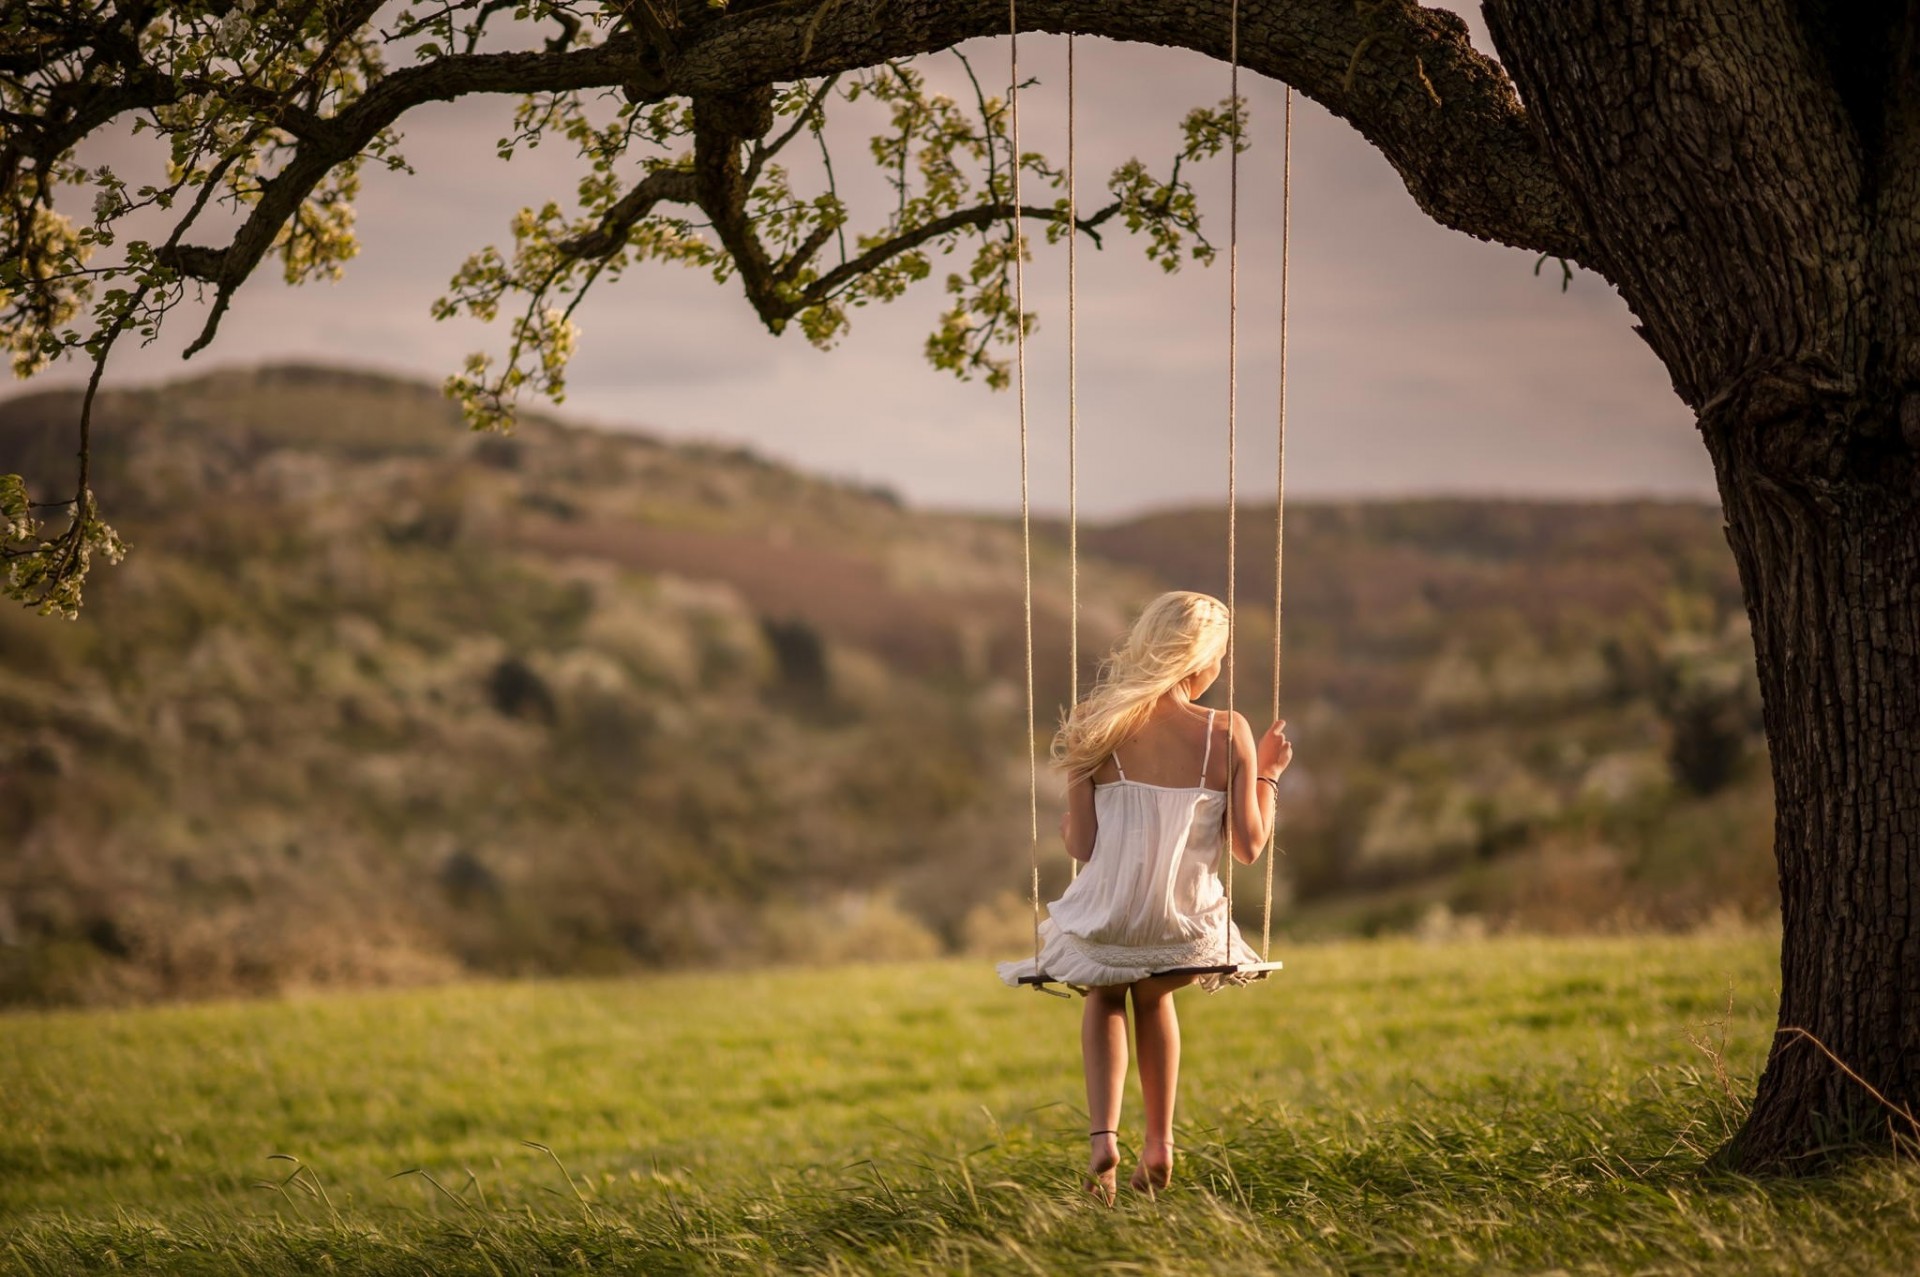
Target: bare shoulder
x=1242, y=730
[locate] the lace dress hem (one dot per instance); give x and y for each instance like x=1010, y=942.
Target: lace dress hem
x=1082, y=964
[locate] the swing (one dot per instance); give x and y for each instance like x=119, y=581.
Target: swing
x=1042, y=982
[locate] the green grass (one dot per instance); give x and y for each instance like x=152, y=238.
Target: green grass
x=1514, y=1105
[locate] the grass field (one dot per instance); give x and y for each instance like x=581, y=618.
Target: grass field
x=1508, y=1105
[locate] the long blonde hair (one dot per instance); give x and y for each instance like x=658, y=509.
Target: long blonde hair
x=1180, y=633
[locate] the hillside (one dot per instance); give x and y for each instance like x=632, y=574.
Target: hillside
x=376, y=699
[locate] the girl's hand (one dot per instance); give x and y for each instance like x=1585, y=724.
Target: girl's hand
x=1274, y=751
x=1064, y=818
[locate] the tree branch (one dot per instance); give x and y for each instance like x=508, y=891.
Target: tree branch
x=1896, y=224
x=721, y=123
x=767, y=150
x=656, y=188
x=339, y=138
x=1445, y=116
x=721, y=185
x=822, y=289
x=1722, y=179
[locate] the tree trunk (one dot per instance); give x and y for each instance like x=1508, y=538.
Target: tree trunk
x=1830, y=564
x=1753, y=201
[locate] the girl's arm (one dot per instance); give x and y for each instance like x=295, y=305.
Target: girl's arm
x=1079, y=825
x=1252, y=800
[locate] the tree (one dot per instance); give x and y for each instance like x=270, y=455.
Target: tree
x=1746, y=172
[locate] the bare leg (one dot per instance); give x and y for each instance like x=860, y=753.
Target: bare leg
x=1158, y=1027
x=1103, y=1051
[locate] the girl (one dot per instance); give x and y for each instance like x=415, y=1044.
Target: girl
x=1151, y=825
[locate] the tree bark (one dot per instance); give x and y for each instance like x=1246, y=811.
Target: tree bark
x=1831, y=571
x=1756, y=208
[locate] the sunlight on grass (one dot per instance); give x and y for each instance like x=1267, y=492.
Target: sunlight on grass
x=1511, y=1104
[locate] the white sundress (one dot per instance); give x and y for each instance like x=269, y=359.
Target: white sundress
x=1149, y=898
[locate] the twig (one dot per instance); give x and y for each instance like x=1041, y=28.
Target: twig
x=1898, y=1110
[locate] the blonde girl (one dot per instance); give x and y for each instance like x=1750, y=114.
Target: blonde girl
x=1149, y=812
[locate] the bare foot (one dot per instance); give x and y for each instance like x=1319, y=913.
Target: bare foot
x=1153, y=1172
x=1102, y=1159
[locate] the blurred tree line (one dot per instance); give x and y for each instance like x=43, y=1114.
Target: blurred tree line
x=376, y=699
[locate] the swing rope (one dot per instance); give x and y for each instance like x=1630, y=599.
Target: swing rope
x=1026, y=509
x=1233, y=394
x=1073, y=448
x=1073, y=415
x=1279, y=492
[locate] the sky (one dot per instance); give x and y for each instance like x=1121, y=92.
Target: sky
x=1421, y=361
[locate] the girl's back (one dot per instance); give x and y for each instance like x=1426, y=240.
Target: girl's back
x=1172, y=750
x=1147, y=810
x=1149, y=891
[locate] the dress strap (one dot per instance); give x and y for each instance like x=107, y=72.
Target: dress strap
x=1117, y=766
x=1208, y=756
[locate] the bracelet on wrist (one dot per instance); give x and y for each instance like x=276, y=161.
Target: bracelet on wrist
x=1271, y=780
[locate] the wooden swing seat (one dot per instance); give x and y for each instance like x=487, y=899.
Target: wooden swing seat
x=1044, y=981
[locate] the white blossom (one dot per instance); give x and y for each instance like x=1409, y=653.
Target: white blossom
x=105, y=204
x=233, y=32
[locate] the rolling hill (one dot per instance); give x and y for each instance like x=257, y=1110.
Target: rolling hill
x=375, y=699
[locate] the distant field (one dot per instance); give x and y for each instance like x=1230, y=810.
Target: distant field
x=1509, y=1105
